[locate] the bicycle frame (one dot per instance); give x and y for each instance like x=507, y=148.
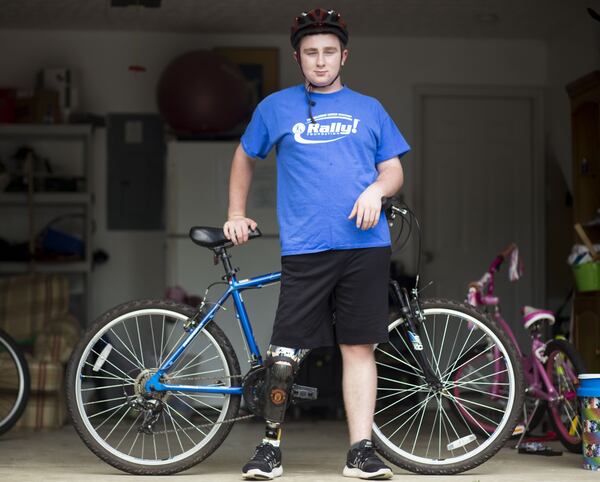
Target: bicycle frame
x=535, y=373
x=234, y=290
x=481, y=293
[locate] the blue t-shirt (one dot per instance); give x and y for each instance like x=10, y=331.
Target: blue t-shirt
x=322, y=168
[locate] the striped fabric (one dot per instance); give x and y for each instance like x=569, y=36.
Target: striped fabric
x=45, y=376
x=28, y=302
x=56, y=341
x=34, y=310
x=44, y=410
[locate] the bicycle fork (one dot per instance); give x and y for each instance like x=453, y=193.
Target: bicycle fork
x=413, y=316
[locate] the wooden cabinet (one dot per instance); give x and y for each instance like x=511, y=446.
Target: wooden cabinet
x=587, y=328
x=585, y=121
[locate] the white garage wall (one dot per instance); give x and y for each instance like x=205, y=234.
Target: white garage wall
x=388, y=68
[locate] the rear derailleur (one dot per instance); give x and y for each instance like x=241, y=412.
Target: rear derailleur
x=151, y=408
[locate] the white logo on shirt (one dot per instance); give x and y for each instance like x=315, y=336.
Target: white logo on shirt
x=326, y=128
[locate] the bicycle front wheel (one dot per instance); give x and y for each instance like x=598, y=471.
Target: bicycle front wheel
x=14, y=382
x=430, y=430
x=107, y=374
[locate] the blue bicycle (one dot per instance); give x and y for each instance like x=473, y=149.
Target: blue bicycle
x=154, y=387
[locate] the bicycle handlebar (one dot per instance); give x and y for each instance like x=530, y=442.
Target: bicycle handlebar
x=484, y=287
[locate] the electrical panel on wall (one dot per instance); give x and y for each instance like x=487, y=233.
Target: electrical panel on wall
x=135, y=179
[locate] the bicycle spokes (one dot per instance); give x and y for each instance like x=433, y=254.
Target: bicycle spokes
x=565, y=410
x=458, y=418
x=127, y=418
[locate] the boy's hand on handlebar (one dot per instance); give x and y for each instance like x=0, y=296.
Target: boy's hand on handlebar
x=236, y=229
x=367, y=208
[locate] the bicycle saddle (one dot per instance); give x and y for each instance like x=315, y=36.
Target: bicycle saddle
x=532, y=315
x=215, y=237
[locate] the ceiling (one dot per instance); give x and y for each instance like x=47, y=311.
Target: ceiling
x=446, y=18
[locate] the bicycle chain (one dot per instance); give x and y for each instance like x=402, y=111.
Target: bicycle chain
x=212, y=424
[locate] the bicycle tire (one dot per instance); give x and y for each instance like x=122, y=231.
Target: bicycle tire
x=20, y=369
x=553, y=348
x=472, y=458
x=92, y=439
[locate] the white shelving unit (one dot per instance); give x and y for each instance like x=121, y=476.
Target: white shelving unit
x=70, y=146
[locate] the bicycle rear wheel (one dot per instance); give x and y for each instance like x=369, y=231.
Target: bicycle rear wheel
x=423, y=429
x=108, y=371
x=563, y=366
x=14, y=382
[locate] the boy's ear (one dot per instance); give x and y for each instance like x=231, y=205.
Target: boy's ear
x=344, y=56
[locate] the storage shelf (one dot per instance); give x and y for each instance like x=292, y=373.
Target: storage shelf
x=45, y=198
x=73, y=144
x=63, y=131
x=7, y=267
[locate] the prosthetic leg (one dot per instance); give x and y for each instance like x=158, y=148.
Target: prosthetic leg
x=282, y=365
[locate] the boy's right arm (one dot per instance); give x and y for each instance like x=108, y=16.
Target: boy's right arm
x=236, y=226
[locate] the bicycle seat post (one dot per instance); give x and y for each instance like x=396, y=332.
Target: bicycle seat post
x=222, y=253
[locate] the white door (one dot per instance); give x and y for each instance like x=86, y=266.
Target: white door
x=479, y=189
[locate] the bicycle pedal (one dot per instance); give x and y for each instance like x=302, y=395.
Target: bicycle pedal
x=300, y=392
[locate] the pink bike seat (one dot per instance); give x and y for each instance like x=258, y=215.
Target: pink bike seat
x=531, y=315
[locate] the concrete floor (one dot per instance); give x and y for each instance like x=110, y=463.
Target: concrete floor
x=313, y=451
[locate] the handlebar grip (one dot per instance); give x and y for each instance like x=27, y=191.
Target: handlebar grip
x=254, y=234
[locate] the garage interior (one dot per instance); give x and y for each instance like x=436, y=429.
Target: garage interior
x=498, y=100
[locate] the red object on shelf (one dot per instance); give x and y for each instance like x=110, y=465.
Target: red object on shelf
x=137, y=68
x=8, y=101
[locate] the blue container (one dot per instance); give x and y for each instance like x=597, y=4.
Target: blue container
x=589, y=396
x=59, y=242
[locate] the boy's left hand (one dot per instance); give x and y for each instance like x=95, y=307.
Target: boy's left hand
x=367, y=208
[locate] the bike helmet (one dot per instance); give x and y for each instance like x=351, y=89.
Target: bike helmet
x=318, y=20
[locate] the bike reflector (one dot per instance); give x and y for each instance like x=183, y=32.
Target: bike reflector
x=102, y=357
x=461, y=442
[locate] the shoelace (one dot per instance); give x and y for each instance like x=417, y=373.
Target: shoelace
x=364, y=455
x=266, y=452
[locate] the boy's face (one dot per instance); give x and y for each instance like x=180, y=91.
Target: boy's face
x=321, y=55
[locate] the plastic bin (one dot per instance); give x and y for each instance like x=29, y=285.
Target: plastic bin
x=587, y=276
x=589, y=397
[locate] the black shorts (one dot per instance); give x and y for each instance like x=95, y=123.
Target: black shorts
x=329, y=297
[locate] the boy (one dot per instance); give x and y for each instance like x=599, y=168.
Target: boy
x=337, y=155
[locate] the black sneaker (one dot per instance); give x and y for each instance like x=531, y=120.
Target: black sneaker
x=363, y=463
x=265, y=464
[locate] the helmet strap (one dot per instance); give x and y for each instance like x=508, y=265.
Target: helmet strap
x=309, y=86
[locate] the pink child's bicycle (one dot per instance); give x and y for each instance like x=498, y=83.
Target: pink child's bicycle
x=550, y=369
